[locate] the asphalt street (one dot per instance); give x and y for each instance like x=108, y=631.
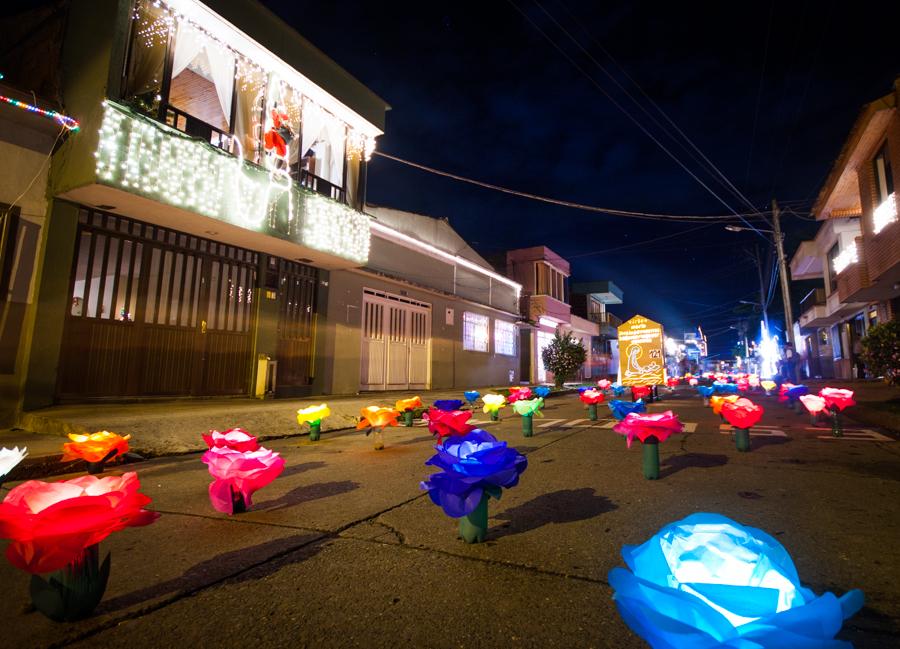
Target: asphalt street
x=345, y=550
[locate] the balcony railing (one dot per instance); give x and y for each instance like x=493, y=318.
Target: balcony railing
x=815, y=297
x=604, y=318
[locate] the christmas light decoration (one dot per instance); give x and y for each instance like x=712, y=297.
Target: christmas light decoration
x=63, y=120
x=159, y=162
x=884, y=214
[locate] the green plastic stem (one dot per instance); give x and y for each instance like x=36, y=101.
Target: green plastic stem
x=473, y=527
x=315, y=429
x=742, y=439
x=495, y=415
x=72, y=593
x=527, y=425
x=407, y=417
x=651, y=458
x=837, y=428
x=592, y=411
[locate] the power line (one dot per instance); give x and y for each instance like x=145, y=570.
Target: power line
x=637, y=243
x=718, y=218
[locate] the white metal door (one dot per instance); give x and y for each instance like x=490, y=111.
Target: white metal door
x=396, y=342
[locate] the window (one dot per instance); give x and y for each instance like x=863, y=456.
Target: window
x=475, y=332
x=836, y=342
x=549, y=281
x=884, y=178
x=504, y=338
x=147, y=58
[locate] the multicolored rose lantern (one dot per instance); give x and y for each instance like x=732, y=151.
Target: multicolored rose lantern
x=706, y=391
x=717, y=400
x=528, y=408
x=56, y=527
x=621, y=409
x=815, y=405
x=591, y=398
x=707, y=581
x=673, y=382
x=448, y=405
x=792, y=396
x=753, y=380
x=473, y=468
x=742, y=414
x=492, y=404
x=743, y=384
x=237, y=439
x=376, y=419
x=725, y=388
x=650, y=430
x=693, y=382
x=471, y=396
x=9, y=459
x=446, y=424
x=768, y=385
x=96, y=449
x=517, y=393
x=237, y=475
x=407, y=408
x=542, y=391
x=618, y=389
x=313, y=415
x=836, y=399
x=604, y=384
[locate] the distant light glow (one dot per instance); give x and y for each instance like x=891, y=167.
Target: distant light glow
x=885, y=214
x=768, y=352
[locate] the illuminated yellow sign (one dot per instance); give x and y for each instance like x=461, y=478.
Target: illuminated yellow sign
x=641, y=359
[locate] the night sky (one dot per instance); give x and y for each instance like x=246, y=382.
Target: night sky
x=477, y=90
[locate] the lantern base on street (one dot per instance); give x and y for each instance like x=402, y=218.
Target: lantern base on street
x=379, y=440
x=651, y=458
x=837, y=428
x=592, y=411
x=742, y=439
x=495, y=415
x=527, y=425
x=408, y=418
x=315, y=429
x=72, y=593
x=473, y=527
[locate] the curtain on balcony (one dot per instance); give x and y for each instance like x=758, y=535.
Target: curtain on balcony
x=248, y=117
x=324, y=135
x=207, y=58
x=146, y=59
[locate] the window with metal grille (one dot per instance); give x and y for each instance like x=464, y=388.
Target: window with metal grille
x=504, y=338
x=475, y=332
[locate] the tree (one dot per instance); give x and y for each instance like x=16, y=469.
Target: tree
x=563, y=356
x=881, y=351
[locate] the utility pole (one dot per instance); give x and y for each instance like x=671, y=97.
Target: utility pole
x=762, y=287
x=782, y=268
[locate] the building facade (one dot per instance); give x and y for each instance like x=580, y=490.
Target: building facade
x=856, y=252
x=424, y=312
x=191, y=224
x=589, y=301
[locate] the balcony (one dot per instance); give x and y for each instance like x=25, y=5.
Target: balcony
x=609, y=323
x=814, y=311
x=157, y=173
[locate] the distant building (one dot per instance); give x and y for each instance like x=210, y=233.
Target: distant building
x=589, y=301
x=856, y=252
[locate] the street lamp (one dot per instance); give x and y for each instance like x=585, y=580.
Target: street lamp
x=782, y=267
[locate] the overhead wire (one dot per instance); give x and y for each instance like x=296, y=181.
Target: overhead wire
x=637, y=123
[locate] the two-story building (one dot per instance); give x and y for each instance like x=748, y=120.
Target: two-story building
x=192, y=222
x=856, y=252
x=589, y=301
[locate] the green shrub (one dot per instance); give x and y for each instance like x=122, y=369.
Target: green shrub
x=563, y=356
x=881, y=351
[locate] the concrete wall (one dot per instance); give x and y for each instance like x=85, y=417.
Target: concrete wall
x=339, y=351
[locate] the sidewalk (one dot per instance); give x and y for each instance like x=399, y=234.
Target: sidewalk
x=877, y=403
x=174, y=427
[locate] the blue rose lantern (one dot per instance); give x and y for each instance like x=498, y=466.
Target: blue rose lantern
x=473, y=467
x=618, y=389
x=620, y=409
x=707, y=581
x=543, y=391
x=448, y=405
x=706, y=391
x=471, y=396
x=725, y=388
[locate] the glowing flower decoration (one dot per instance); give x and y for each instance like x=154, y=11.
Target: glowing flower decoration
x=471, y=396
x=660, y=425
x=542, y=391
x=707, y=581
x=582, y=388
x=237, y=439
x=592, y=397
x=753, y=380
x=604, y=384
x=742, y=413
x=716, y=402
x=767, y=385
x=725, y=388
x=444, y=424
x=795, y=392
x=529, y=407
x=493, y=403
x=706, y=391
x=814, y=404
x=836, y=398
x=693, y=382
x=743, y=384
x=783, y=390
x=412, y=403
x=375, y=417
x=96, y=448
x=238, y=475
x=515, y=394
x=618, y=389
x=673, y=381
x=473, y=468
x=640, y=391
x=51, y=524
x=9, y=459
x=621, y=409
x=448, y=405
